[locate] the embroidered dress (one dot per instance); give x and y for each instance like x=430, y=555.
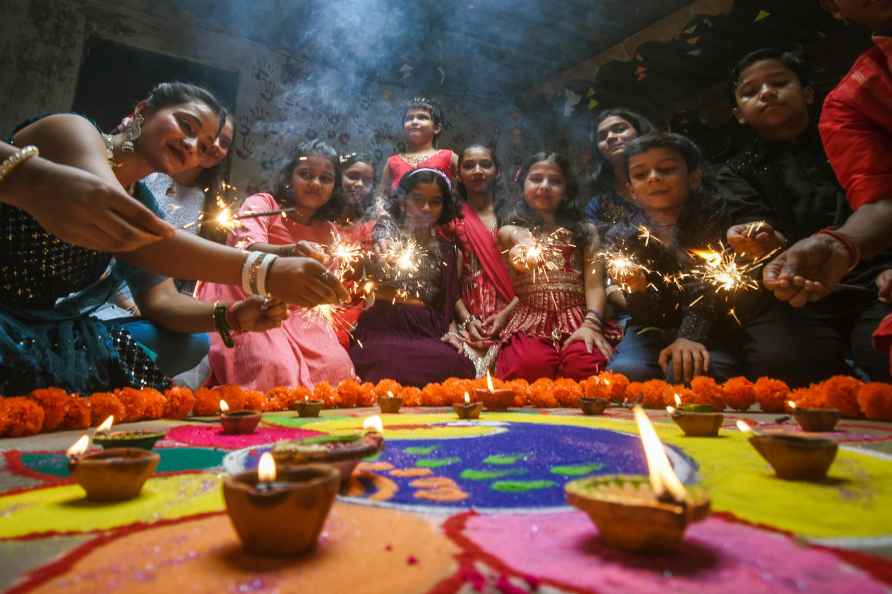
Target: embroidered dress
x=305, y=349
x=398, y=166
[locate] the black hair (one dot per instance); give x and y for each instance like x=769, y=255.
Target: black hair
x=283, y=192
x=668, y=140
x=793, y=62
x=602, y=174
x=212, y=182
x=432, y=108
x=568, y=213
x=498, y=187
x=167, y=94
x=396, y=206
x=348, y=161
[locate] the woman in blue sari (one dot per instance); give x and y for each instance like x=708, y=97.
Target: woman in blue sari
x=48, y=286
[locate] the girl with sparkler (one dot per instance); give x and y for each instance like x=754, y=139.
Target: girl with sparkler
x=680, y=327
x=358, y=181
x=558, y=327
x=46, y=335
x=487, y=295
x=423, y=123
x=305, y=349
x=408, y=333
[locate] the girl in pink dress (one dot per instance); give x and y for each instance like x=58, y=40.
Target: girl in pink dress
x=557, y=328
x=305, y=349
x=422, y=123
x=486, y=294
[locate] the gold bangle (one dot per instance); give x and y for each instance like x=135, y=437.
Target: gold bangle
x=17, y=159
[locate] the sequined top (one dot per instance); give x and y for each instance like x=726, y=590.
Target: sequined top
x=36, y=267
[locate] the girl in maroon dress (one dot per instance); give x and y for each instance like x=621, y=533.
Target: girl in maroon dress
x=557, y=328
x=422, y=122
x=486, y=295
x=407, y=334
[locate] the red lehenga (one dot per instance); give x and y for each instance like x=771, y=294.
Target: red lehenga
x=485, y=284
x=398, y=166
x=551, y=308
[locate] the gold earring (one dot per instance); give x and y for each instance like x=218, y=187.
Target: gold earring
x=133, y=131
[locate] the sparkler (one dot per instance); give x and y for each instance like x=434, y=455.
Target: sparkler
x=542, y=254
x=725, y=272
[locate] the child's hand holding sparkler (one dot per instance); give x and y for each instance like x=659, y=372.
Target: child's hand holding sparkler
x=755, y=239
x=256, y=314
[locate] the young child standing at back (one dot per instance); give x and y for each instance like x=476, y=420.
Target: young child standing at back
x=422, y=123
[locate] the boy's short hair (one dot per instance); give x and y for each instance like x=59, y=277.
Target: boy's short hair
x=788, y=59
x=669, y=140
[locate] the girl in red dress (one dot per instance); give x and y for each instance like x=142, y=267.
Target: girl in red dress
x=422, y=123
x=486, y=295
x=557, y=328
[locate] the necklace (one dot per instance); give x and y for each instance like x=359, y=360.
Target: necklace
x=417, y=158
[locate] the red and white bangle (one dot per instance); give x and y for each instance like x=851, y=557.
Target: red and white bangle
x=850, y=245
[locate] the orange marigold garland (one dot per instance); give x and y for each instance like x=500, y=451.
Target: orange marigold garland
x=325, y=392
x=567, y=392
x=207, y=403
x=771, y=394
x=350, y=392
x=740, y=393
x=875, y=400
x=134, y=404
x=154, y=403
x=521, y=389
x=77, y=413
x=807, y=398
x=366, y=394
x=434, y=395
x=707, y=391
x=614, y=385
x=254, y=400
x=179, y=402
x=232, y=394
x=3, y=420
x=634, y=392
x=542, y=394
x=385, y=386
x=685, y=394
x=23, y=417
x=53, y=401
x=841, y=392
x=411, y=396
x=103, y=404
x=652, y=393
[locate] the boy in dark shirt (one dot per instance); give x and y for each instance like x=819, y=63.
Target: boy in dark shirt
x=787, y=171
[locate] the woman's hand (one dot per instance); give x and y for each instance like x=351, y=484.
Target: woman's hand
x=590, y=337
x=756, y=240
x=304, y=282
x=256, y=314
x=520, y=257
x=92, y=213
x=494, y=323
x=452, y=338
x=688, y=359
x=476, y=331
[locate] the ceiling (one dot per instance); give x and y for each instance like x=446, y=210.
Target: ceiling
x=481, y=47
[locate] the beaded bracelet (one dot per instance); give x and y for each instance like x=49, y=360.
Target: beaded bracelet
x=17, y=159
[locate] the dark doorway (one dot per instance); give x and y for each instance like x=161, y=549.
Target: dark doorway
x=114, y=77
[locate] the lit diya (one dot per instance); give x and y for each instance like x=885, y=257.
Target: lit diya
x=493, y=399
x=106, y=438
x=307, y=407
x=696, y=420
x=237, y=423
x=113, y=474
x=344, y=452
x=390, y=404
x=794, y=457
x=467, y=409
x=638, y=514
x=280, y=511
x=815, y=419
x=594, y=405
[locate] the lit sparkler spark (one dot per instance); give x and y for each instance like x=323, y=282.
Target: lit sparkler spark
x=645, y=235
x=225, y=220
x=541, y=254
x=754, y=227
x=621, y=264
x=345, y=254
x=722, y=270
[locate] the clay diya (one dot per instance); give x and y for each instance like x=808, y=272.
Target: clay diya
x=640, y=514
x=467, y=409
x=307, y=407
x=240, y=422
x=280, y=511
x=343, y=452
x=794, y=457
x=114, y=474
x=593, y=406
x=494, y=400
x=815, y=419
x=696, y=420
x=390, y=404
x=106, y=438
